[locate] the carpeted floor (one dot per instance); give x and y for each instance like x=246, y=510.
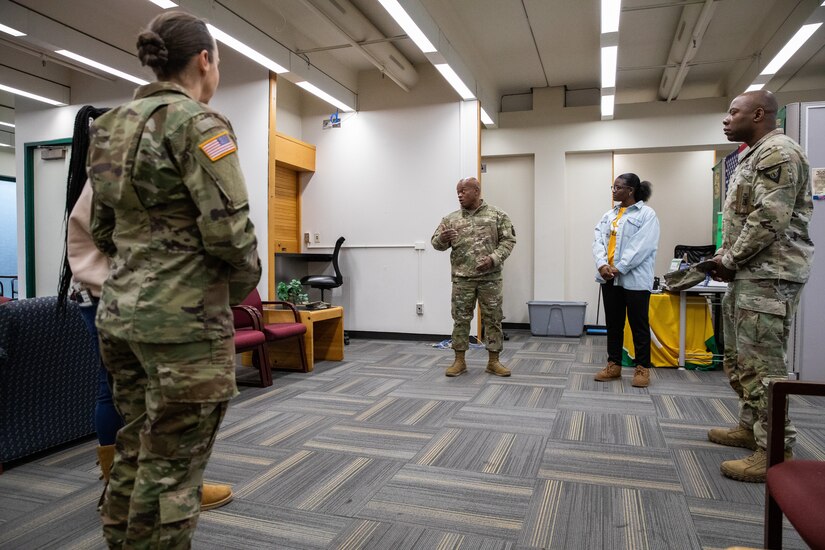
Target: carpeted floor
x=383, y=451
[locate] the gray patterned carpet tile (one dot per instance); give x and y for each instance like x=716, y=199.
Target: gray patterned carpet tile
x=516, y=420
x=578, y=515
x=382, y=451
x=634, y=403
x=721, y=411
x=389, y=441
x=68, y=521
x=376, y=535
x=509, y=454
x=246, y=524
x=518, y=393
x=313, y=402
x=701, y=478
x=607, y=427
x=320, y=482
x=402, y=411
x=464, y=502
x=610, y=465
x=723, y=524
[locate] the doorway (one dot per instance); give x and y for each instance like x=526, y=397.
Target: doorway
x=507, y=184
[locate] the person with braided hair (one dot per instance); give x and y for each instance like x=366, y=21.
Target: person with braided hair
x=171, y=212
x=83, y=271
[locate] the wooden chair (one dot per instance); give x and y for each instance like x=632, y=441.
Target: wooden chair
x=795, y=488
x=274, y=332
x=250, y=336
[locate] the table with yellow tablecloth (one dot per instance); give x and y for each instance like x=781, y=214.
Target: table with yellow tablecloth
x=700, y=345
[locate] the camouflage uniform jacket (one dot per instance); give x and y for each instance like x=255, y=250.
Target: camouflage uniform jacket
x=171, y=210
x=486, y=232
x=767, y=211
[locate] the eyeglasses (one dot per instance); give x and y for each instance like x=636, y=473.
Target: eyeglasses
x=619, y=187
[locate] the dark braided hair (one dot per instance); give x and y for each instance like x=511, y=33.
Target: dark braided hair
x=170, y=42
x=74, y=186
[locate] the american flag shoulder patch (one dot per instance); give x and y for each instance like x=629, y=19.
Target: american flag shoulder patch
x=218, y=146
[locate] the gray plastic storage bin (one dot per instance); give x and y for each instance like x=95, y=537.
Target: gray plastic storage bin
x=556, y=318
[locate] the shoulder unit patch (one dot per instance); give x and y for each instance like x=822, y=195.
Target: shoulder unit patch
x=218, y=146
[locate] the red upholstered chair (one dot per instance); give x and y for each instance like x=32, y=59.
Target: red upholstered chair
x=280, y=331
x=250, y=336
x=795, y=488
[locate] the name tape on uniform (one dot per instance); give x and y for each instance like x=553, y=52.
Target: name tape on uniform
x=218, y=146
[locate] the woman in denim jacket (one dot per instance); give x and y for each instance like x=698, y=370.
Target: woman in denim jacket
x=624, y=251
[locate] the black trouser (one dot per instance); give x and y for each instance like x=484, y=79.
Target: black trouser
x=619, y=302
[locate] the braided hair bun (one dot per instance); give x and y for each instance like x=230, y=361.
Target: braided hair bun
x=152, y=50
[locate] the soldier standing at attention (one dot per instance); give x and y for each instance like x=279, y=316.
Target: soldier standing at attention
x=170, y=209
x=481, y=237
x=766, y=256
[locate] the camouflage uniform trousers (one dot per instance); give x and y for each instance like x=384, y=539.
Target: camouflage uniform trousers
x=757, y=316
x=489, y=296
x=167, y=396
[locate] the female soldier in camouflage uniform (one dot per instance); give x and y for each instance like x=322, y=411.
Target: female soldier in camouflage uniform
x=170, y=209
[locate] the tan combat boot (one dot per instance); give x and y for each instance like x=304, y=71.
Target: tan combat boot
x=733, y=437
x=459, y=366
x=494, y=366
x=641, y=377
x=751, y=468
x=105, y=458
x=215, y=496
x=610, y=372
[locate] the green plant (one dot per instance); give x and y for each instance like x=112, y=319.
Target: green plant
x=293, y=292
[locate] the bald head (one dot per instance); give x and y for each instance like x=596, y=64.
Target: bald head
x=750, y=116
x=469, y=193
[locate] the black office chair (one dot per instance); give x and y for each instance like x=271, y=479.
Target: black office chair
x=325, y=282
x=694, y=253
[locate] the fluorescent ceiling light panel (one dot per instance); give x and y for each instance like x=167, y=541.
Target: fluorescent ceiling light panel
x=450, y=75
x=608, y=102
x=30, y=95
x=11, y=31
x=102, y=67
x=5, y=145
x=315, y=90
x=165, y=4
x=754, y=87
x=485, y=118
x=402, y=18
x=7, y=124
x=801, y=36
x=242, y=48
x=611, y=10
x=609, y=55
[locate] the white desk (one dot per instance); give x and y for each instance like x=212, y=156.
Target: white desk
x=698, y=290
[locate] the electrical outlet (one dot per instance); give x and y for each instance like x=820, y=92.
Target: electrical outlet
x=317, y=238
x=419, y=308
x=306, y=238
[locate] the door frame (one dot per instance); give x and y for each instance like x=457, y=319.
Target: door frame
x=28, y=207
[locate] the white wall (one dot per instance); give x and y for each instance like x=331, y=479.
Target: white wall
x=587, y=196
x=384, y=180
x=242, y=96
x=508, y=185
x=551, y=132
x=7, y=164
x=682, y=197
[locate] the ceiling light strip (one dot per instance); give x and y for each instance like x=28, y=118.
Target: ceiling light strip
x=105, y=68
x=611, y=10
x=318, y=92
x=793, y=45
x=165, y=4
x=455, y=81
x=11, y=31
x=609, y=56
x=405, y=21
x=30, y=95
x=245, y=50
x=485, y=118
